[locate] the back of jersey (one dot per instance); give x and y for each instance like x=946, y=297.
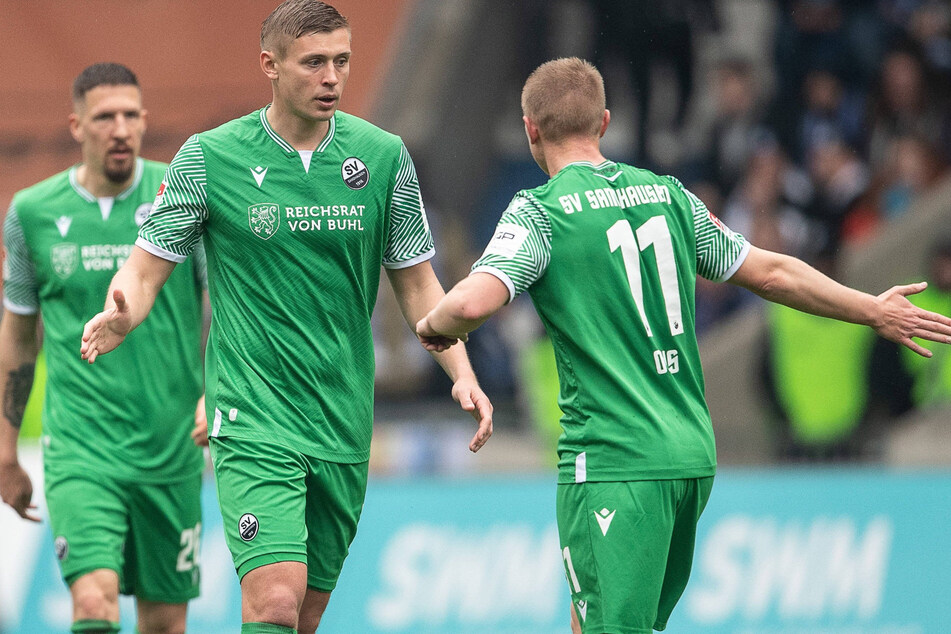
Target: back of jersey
x=616, y=295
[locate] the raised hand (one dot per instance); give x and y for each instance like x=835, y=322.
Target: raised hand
x=901, y=320
x=104, y=332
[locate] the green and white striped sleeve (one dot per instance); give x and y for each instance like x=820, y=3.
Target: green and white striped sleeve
x=20, y=291
x=720, y=251
x=409, y=241
x=520, y=250
x=178, y=215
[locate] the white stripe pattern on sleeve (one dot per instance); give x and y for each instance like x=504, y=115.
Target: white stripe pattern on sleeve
x=409, y=237
x=521, y=245
x=20, y=290
x=181, y=208
x=719, y=249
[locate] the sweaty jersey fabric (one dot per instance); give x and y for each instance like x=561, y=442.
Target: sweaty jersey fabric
x=294, y=260
x=129, y=415
x=610, y=255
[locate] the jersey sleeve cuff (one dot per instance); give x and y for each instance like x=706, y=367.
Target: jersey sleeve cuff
x=158, y=251
x=499, y=273
x=19, y=309
x=405, y=264
x=745, y=251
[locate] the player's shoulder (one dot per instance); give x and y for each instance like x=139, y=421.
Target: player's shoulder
x=41, y=192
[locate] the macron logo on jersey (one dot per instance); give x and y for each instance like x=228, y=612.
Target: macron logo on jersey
x=259, y=173
x=62, y=224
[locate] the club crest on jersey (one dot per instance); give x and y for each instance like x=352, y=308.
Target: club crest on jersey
x=264, y=219
x=248, y=527
x=355, y=173
x=64, y=258
x=142, y=212
x=61, y=547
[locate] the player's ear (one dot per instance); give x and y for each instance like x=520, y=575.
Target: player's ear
x=531, y=130
x=605, y=120
x=74, y=128
x=269, y=64
x=144, y=118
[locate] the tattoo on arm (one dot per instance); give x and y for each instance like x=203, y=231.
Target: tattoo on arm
x=19, y=383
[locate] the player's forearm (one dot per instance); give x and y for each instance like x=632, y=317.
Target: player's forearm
x=140, y=279
x=18, y=350
x=456, y=314
x=791, y=282
x=417, y=292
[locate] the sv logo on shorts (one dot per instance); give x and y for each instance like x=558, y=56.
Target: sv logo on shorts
x=248, y=527
x=61, y=547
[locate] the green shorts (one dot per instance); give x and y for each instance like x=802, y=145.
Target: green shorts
x=149, y=534
x=628, y=548
x=280, y=505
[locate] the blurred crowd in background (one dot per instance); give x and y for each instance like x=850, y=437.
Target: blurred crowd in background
x=814, y=138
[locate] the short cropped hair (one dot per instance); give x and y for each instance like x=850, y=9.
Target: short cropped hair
x=103, y=74
x=294, y=18
x=565, y=98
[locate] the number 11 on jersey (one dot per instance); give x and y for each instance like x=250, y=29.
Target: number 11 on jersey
x=653, y=232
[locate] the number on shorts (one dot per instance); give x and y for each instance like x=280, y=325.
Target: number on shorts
x=570, y=572
x=188, y=557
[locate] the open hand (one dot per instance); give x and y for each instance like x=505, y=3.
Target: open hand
x=104, y=332
x=902, y=320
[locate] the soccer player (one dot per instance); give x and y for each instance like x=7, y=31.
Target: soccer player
x=122, y=476
x=298, y=205
x=609, y=254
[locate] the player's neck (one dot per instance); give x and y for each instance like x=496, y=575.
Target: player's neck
x=97, y=184
x=558, y=155
x=301, y=133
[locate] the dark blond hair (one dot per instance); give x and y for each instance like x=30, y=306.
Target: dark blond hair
x=294, y=18
x=564, y=98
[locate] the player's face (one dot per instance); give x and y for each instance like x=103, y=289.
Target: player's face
x=312, y=74
x=109, y=125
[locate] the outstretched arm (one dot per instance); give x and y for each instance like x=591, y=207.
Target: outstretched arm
x=18, y=349
x=789, y=281
x=130, y=298
x=417, y=291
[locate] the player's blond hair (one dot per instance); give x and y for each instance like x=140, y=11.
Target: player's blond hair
x=564, y=98
x=294, y=18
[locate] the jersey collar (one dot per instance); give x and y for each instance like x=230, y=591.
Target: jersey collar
x=600, y=166
x=287, y=147
x=88, y=196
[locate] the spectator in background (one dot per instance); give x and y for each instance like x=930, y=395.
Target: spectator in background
x=816, y=378
x=931, y=382
x=828, y=103
x=912, y=165
x=841, y=180
x=904, y=101
x=645, y=33
x=738, y=129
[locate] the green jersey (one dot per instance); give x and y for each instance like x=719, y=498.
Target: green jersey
x=294, y=242
x=129, y=415
x=610, y=255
